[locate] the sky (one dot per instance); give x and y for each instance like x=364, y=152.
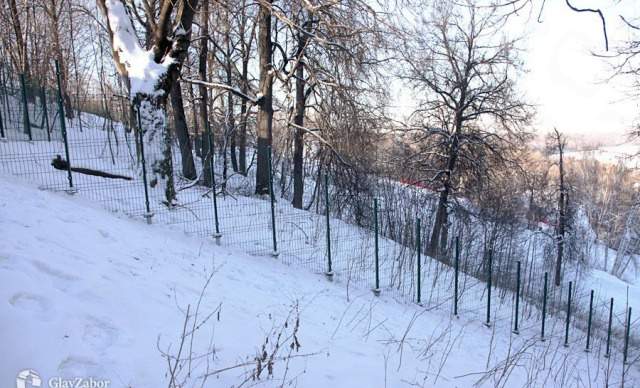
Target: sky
x=571, y=87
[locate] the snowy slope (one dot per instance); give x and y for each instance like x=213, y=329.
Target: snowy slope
x=85, y=293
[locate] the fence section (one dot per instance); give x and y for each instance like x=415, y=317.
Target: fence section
x=93, y=147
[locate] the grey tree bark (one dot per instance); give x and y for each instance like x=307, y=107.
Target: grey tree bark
x=182, y=132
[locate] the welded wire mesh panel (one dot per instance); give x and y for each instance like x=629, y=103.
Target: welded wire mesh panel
x=31, y=135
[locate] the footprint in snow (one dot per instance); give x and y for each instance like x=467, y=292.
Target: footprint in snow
x=99, y=334
x=30, y=302
x=79, y=366
x=104, y=234
x=46, y=269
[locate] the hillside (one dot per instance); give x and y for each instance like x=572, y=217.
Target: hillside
x=92, y=294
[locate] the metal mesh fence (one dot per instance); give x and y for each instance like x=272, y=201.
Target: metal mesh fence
x=374, y=243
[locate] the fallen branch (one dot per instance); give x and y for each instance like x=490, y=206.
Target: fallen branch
x=60, y=164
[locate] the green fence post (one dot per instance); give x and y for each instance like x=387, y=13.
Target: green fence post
x=25, y=106
x=544, y=304
x=1, y=124
x=587, y=348
x=489, y=276
x=79, y=113
x=148, y=213
x=5, y=94
x=419, y=258
x=329, y=272
x=608, y=352
x=210, y=143
x=12, y=86
x=515, y=329
x=275, y=252
x=45, y=113
x=566, y=327
x=63, y=128
x=3, y=101
x=455, y=279
x=376, y=290
x=626, y=338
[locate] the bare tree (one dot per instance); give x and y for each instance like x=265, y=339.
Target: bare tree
x=464, y=64
x=207, y=139
x=559, y=144
x=336, y=46
x=54, y=10
x=19, y=55
x=246, y=32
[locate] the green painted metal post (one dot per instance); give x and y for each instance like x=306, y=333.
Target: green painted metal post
x=45, y=113
x=419, y=261
x=626, y=338
x=608, y=350
x=2, y=102
x=376, y=290
x=489, y=277
x=515, y=329
x=63, y=128
x=214, y=195
x=12, y=85
x=272, y=197
x=5, y=94
x=588, y=347
x=148, y=213
x=568, y=321
x=455, y=279
x=329, y=272
x=1, y=124
x=544, y=303
x=25, y=106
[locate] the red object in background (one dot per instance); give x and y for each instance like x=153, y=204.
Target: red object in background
x=416, y=183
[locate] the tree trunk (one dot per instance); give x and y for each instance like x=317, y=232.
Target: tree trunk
x=182, y=132
x=298, y=141
x=22, y=64
x=561, y=215
x=196, y=123
x=265, y=105
x=440, y=223
x=242, y=133
x=207, y=138
x=441, y=219
x=152, y=105
x=57, y=47
x=157, y=140
x=230, y=122
x=244, y=115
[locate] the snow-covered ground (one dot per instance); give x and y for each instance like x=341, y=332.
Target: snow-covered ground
x=87, y=293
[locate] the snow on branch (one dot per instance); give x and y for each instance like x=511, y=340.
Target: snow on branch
x=133, y=61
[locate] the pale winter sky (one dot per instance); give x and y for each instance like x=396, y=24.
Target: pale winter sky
x=565, y=81
x=568, y=83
